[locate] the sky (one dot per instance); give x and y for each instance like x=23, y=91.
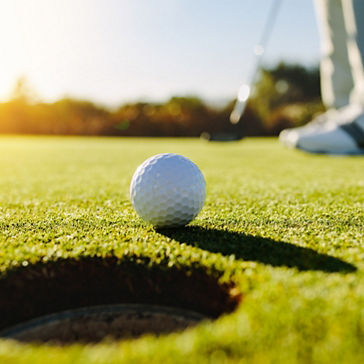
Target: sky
x=114, y=51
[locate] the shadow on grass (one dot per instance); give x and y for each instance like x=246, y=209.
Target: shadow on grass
x=257, y=249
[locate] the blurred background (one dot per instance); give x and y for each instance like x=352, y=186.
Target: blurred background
x=154, y=68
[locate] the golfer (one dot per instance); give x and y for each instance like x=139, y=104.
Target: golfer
x=340, y=130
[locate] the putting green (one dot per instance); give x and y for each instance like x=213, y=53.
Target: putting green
x=275, y=258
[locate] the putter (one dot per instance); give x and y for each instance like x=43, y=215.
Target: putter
x=246, y=89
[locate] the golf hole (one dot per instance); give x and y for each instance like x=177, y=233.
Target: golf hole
x=93, y=324
x=92, y=299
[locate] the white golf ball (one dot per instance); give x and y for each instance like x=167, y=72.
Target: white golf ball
x=168, y=190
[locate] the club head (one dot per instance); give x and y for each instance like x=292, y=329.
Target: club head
x=240, y=104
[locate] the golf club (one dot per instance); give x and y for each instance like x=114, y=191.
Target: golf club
x=246, y=89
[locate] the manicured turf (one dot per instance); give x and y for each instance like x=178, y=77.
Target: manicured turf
x=281, y=233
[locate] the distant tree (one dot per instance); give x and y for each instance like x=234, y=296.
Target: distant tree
x=23, y=92
x=80, y=117
x=303, y=82
x=285, y=96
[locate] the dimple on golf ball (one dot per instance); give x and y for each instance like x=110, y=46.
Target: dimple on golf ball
x=168, y=190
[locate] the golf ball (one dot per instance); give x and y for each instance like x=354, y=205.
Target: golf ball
x=168, y=190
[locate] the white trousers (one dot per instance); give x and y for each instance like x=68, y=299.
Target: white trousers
x=341, y=26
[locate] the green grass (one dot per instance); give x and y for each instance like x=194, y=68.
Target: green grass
x=282, y=227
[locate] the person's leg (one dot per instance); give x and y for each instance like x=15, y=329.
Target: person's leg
x=335, y=68
x=347, y=136
x=335, y=73
x=359, y=19
x=341, y=129
x=354, y=22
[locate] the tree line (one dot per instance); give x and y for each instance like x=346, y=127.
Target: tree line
x=284, y=96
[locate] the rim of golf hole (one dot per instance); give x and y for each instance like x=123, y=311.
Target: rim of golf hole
x=97, y=323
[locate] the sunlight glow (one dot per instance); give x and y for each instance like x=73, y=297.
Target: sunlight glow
x=243, y=93
x=113, y=51
x=53, y=44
